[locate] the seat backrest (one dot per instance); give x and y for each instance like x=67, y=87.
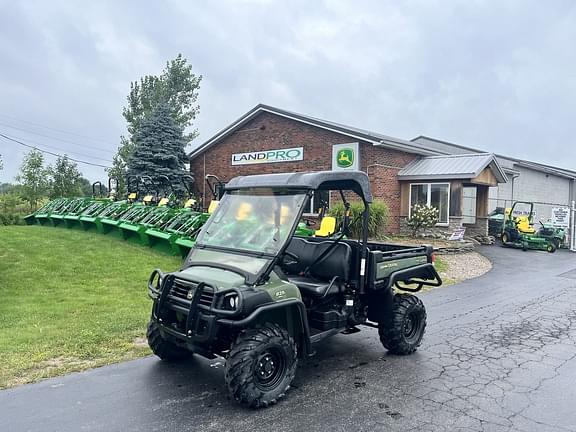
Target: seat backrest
x=212, y=206
x=327, y=227
x=523, y=225
x=336, y=263
x=163, y=202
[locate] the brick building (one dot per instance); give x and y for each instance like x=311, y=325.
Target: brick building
x=271, y=140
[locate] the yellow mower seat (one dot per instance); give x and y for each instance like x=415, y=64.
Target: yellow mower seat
x=147, y=199
x=327, y=227
x=163, y=202
x=189, y=203
x=132, y=196
x=523, y=225
x=212, y=206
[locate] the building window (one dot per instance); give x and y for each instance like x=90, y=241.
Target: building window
x=434, y=195
x=319, y=199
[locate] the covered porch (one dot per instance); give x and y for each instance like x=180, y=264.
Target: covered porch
x=457, y=185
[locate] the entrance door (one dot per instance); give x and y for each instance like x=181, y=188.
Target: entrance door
x=469, y=204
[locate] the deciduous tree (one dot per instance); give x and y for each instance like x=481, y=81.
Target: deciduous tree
x=65, y=178
x=33, y=177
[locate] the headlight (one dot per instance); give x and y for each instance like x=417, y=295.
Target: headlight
x=232, y=301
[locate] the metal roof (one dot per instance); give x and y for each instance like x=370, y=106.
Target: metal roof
x=354, y=133
x=356, y=181
x=446, y=147
x=462, y=166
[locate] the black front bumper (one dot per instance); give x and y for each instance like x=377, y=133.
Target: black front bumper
x=192, y=302
x=188, y=311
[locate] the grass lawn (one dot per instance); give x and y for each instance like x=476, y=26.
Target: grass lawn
x=70, y=300
x=440, y=264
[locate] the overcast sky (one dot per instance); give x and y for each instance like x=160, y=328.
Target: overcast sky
x=497, y=75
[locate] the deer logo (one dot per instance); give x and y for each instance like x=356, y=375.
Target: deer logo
x=345, y=158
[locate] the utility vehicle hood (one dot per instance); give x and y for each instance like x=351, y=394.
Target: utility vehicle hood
x=218, y=278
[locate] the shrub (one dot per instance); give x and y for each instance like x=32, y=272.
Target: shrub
x=421, y=217
x=12, y=209
x=376, y=224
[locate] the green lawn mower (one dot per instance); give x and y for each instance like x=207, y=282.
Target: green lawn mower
x=518, y=230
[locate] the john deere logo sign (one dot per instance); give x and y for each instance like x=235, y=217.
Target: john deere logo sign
x=268, y=156
x=345, y=158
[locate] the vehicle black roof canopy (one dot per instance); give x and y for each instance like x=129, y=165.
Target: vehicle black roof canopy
x=356, y=181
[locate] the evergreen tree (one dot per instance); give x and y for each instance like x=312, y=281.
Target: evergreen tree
x=159, y=149
x=65, y=179
x=33, y=178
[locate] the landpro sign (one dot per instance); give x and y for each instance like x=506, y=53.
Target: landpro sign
x=345, y=157
x=268, y=156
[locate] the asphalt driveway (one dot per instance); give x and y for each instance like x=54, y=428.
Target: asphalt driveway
x=499, y=355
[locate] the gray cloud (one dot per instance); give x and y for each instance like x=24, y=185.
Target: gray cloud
x=493, y=75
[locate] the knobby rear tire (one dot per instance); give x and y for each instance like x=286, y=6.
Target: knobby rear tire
x=402, y=331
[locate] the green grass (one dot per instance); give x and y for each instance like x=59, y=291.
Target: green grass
x=441, y=265
x=70, y=300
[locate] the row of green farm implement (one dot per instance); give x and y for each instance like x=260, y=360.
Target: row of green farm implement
x=149, y=217
x=149, y=222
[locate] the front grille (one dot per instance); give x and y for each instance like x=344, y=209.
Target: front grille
x=206, y=297
x=184, y=290
x=180, y=289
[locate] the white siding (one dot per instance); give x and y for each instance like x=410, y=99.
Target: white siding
x=535, y=186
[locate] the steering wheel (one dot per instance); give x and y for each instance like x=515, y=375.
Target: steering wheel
x=295, y=258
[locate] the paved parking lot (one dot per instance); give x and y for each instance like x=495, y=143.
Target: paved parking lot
x=499, y=355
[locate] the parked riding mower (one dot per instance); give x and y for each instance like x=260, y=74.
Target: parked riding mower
x=519, y=232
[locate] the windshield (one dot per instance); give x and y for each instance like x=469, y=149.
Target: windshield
x=258, y=220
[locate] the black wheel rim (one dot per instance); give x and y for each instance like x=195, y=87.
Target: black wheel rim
x=270, y=369
x=412, y=325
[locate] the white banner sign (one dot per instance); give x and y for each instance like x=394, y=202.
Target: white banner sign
x=268, y=156
x=560, y=217
x=458, y=234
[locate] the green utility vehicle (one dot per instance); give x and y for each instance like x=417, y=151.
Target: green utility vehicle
x=252, y=292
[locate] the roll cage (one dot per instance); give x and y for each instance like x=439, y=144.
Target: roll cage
x=355, y=181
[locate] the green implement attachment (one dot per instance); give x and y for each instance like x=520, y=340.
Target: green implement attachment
x=170, y=230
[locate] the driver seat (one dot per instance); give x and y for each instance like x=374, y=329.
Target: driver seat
x=326, y=276
x=523, y=225
x=312, y=287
